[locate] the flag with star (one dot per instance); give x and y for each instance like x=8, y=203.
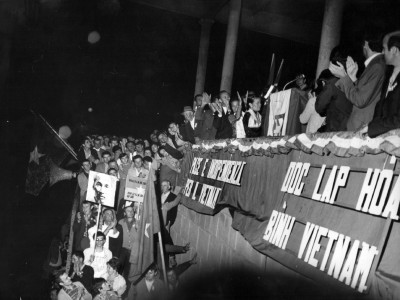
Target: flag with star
x=149, y=224
x=46, y=153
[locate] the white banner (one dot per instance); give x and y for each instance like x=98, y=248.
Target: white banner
x=278, y=113
x=135, y=188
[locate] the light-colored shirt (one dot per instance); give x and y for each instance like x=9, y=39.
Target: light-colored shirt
x=92, y=231
x=192, y=123
x=149, y=285
x=142, y=172
x=368, y=60
x=99, y=263
x=72, y=292
x=310, y=117
x=118, y=285
x=240, y=133
x=225, y=109
x=164, y=197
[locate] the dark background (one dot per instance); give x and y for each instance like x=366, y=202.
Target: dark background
x=142, y=72
x=136, y=78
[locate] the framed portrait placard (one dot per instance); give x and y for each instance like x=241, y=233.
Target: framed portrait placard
x=101, y=188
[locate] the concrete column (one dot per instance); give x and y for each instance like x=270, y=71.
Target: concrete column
x=230, y=45
x=330, y=34
x=203, y=55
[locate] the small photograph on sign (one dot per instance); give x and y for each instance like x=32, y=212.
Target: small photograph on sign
x=101, y=188
x=135, y=188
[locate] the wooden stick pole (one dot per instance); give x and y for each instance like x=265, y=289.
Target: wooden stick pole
x=59, y=138
x=162, y=258
x=71, y=225
x=97, y=227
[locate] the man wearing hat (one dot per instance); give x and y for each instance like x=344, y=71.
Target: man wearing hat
x=191, y=129
x=130, y=236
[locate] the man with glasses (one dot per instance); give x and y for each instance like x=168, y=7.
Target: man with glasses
x=98, y=256
x=107, y=227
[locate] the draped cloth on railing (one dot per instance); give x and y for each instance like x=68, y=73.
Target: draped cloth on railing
x=343, y=144
x=336, y=166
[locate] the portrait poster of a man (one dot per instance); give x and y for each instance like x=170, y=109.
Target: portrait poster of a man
x=101, y=188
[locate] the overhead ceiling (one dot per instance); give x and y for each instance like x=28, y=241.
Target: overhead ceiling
x=296, y=20
x=290, y=19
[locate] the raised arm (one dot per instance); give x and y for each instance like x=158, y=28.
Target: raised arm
x=366, y=88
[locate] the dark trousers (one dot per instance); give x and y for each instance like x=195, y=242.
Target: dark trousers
x=123, y=261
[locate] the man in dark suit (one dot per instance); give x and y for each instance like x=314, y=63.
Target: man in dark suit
x=205, y=112
x=221, y=117
x=191, y=129
x=364, y=92
x=387, y=111
x=169, y=204
x=332, y=102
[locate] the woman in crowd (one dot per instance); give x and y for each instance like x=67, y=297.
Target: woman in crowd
x=252, y=118
x=174, y=135
x=102, y=291
x=154, y=150
x=116, y=282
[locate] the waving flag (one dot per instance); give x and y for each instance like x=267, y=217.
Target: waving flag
x=48, y=151
x=149, y=224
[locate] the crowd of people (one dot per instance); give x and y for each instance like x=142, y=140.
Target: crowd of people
x=104, y=254
x=340, y=100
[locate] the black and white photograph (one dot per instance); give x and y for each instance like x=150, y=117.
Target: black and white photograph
x=101, y=188
x=200, y=149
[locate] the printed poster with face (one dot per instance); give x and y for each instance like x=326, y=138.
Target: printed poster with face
x=101, y=188
x=135, y=188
